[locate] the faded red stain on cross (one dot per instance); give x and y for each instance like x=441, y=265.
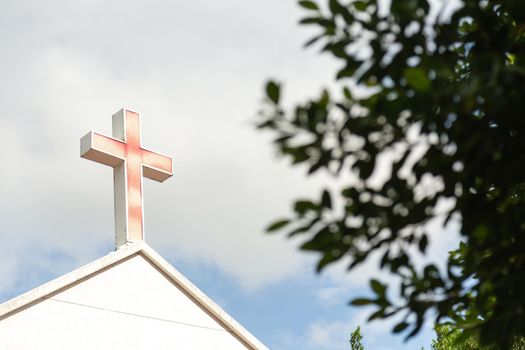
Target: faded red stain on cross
x=130, y=162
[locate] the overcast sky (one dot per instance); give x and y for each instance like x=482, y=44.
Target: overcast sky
x=195, y=70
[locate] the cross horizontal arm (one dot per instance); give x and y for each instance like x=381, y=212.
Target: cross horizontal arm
x=156, y=166
x=102, y=149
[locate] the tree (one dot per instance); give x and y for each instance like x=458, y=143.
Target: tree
x=450, y=338
x=443, y=111
x=356, y=340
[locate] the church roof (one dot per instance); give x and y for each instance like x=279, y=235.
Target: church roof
x=124, y=253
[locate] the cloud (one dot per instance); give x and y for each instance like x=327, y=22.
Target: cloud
x=317, y=335
x=195, y=71
x=327, y=335
x=197, y=81
x=335, y=334
x=330, y=335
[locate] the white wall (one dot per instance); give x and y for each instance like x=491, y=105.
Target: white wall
x=129, y=306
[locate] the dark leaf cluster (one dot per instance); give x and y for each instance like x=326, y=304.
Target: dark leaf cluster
x=441, y=101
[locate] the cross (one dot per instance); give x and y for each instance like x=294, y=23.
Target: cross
x=130, y=163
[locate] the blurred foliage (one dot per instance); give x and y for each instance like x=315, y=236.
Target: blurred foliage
x=450, y=338
x=440, y=100
x=356, y=340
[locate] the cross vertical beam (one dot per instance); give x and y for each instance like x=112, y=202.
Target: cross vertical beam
x=130, y=164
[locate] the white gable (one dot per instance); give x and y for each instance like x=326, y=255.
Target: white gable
x=130, y=301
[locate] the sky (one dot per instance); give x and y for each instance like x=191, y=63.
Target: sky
x=195, y=70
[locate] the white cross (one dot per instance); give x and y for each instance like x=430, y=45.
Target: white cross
x=130, y=163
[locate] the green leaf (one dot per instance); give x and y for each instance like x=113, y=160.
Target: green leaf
x=326, y=260
x=309, y=5
x=313, y=40
x=299, y=230
x=273, y=91
x=302, y=206
x=313, y=20
x=317, y=165
x=401, y=326
x=334, y=6
x=277, y=225
x=378, y=314
x=417, y=78
x=481, y=232
x=366, y=168
x=423, y=243
x=326, y=200
x=511, y=58
x=347, y=93
x=320, y=241
x=404, y=9
x=360, y=5
x=376, y=286
x=361, y=301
